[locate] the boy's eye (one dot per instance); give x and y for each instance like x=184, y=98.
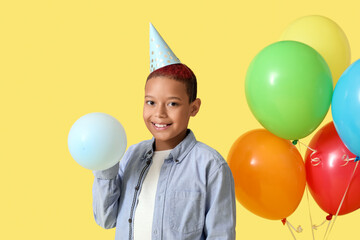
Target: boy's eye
x=150, y=102
x=173, y=104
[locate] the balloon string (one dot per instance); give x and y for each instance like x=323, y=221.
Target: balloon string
x=347, y=159
x=342, y=200
x=327, y=228
x=311, y=222
x=298, y=229
x=328, y=218
x=287, y=223
x=317, y=226
x=314, y=161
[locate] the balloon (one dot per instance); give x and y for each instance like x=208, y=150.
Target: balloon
x=326, y=37
x=269, y=174
x=288, y=88
x=346, y=108
x=326, y=174
x=97, y=141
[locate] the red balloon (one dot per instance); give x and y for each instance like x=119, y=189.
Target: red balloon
x=329, y=176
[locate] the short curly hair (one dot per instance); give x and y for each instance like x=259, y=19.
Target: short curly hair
x=179, y=72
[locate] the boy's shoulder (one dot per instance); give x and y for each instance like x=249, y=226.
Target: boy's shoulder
x=207, y=154
x=207, y=149
x=141, y=148
x=206, y=158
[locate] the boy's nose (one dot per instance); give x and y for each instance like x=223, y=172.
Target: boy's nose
x=160, y=111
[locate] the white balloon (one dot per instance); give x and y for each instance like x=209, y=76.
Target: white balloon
x=97, y=141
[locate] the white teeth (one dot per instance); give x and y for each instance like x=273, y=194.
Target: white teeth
x=160, y=125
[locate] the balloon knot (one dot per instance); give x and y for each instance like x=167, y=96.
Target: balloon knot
x=283, y=221
x=329, y=217
x=295, y=142
x=357, y=159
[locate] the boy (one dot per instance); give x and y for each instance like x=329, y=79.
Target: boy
x=171, y=187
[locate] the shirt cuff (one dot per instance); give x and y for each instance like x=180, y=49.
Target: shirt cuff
x=107, y=174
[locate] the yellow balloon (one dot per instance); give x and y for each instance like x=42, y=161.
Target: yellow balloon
x=326, y=37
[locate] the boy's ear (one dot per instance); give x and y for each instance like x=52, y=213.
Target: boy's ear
x=195, y=107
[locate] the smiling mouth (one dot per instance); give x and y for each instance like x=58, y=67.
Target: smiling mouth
x=160, y=126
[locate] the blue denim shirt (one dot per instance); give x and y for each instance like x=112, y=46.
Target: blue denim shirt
x=195, y=196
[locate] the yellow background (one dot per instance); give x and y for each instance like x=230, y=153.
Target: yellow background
x=60, y=60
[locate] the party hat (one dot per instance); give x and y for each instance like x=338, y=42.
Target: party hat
x=160, y=53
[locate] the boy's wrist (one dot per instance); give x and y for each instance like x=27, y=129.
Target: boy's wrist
x=107, y=174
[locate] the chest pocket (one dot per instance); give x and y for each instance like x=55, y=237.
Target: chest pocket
x=187, y=211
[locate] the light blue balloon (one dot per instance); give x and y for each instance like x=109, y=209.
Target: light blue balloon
x=97, y=141
x=345, y=107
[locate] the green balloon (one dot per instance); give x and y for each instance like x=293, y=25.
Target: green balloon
x=288, y=88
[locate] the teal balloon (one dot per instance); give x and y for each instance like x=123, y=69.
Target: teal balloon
x=288, y=88
x=97, y=141
x=345, y=108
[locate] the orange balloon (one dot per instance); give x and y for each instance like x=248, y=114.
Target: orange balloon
x=269, y=174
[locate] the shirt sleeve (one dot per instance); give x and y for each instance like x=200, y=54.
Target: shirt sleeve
x=106, y=193
x=220, y=219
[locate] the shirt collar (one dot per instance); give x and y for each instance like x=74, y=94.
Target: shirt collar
x=179, y=152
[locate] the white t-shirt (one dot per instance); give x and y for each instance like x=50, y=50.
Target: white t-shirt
x=145, y=209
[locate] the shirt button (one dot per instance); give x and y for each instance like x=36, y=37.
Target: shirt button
x=155, y=232
x=176, y=161
x=130, y=220
x=148, y=162
x=137, y=188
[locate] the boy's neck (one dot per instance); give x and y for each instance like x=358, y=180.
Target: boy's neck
x=171, y=143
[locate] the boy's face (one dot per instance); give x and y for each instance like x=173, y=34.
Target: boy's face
x=167, y=111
